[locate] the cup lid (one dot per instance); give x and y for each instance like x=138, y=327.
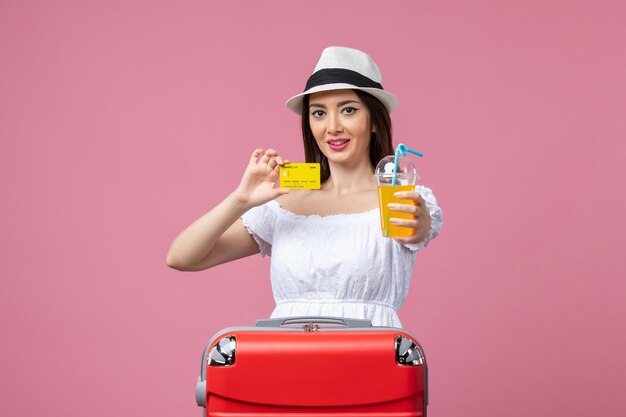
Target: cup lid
x=405, y=167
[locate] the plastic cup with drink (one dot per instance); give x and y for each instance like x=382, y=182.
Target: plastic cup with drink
x=395, y=173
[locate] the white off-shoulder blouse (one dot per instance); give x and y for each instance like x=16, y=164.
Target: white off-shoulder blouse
x=338, y=265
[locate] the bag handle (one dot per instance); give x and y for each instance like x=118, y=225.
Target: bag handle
x=321, y=321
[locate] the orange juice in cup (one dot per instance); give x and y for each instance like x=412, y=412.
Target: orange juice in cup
x=385, y=196
x=405, y=179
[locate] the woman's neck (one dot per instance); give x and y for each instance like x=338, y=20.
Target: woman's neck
x=349, y=179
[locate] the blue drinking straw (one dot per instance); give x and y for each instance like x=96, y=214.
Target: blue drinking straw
x=403, y=150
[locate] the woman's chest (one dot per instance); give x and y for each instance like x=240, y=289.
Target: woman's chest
x=328, y=241
x=328, y=204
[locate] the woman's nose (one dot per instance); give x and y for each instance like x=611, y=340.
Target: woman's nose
x=334, y=123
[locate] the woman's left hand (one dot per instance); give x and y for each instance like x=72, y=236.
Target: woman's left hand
x=421, y=223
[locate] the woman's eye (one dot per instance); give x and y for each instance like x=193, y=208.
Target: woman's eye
x=318, y=113
x=350, y=110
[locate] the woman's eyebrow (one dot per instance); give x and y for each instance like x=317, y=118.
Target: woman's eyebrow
x=342, y=103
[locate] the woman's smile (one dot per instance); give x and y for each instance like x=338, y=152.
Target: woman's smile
x=338, y=144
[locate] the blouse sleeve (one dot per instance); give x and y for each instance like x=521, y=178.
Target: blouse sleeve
x=260, y=222
x=436, y=218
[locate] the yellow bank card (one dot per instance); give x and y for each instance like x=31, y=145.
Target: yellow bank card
x=303, y=176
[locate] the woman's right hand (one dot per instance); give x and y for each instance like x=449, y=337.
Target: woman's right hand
x=259, y=178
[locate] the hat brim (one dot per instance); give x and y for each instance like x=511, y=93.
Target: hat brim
x=389, y=100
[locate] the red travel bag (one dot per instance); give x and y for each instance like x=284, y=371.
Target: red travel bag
x=313, y=366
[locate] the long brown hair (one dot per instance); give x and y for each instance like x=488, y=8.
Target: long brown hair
x=380, y=140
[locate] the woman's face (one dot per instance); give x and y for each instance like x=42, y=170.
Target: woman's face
x=340, y=123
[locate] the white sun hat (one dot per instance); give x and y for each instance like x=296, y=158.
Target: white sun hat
x=341, y=68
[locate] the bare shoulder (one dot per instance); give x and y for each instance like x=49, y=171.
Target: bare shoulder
x=294, y=200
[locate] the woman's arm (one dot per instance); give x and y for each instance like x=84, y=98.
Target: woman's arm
x=217, y=237
x=220, y=236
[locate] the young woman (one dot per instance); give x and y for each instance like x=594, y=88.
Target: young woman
x=329, y=257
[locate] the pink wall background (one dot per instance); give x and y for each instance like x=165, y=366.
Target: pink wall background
x=122, y=121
